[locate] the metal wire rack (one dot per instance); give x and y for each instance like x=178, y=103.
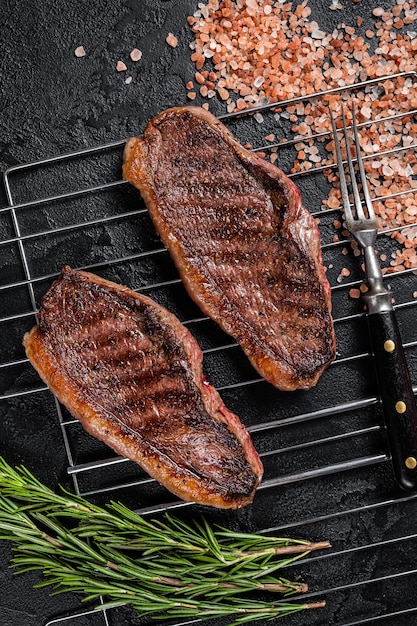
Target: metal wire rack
x=325, y=454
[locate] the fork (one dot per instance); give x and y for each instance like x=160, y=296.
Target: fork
x=395, y=388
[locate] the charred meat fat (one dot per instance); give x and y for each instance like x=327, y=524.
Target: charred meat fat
x=246, y=248
x=131, y=373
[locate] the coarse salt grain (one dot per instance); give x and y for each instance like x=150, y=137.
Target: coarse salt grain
x=80, y=51
x=318, y=34
x=120, y=66
x=378, y=12
x=172, y=40
x=136, y=54
x=223, y=93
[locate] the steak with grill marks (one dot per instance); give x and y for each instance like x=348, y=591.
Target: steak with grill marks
x=131, y=373
x=247, y=250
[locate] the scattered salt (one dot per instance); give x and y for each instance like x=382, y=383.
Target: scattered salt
x=261, y=51
x=258, y=82
x=136, y=54
x=378, y=12
x=172, y=40
x=80, y=51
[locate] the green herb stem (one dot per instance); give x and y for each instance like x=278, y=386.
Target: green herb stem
x=114, y=553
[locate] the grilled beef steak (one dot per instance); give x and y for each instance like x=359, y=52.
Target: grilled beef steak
x=131, y=373
x=246, y=249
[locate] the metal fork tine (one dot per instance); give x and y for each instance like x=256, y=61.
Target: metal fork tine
x=342, y=177
x=357, y=199
x=365, y=189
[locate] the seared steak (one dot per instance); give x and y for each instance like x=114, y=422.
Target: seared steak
x=131, y=373
x=246, y=249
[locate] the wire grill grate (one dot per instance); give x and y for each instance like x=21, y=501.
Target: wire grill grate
x=74, y=209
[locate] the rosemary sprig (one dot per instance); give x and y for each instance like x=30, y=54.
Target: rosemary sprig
x=163, y=567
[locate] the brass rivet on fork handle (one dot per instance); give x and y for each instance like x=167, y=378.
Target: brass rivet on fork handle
x=411, y=462
x=389, y=345
x=396, y=391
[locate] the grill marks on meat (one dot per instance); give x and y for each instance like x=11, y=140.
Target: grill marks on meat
x=131, y=373
x=247, y=250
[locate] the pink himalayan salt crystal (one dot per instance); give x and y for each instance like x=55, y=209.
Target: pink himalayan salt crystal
x=172, y=40
x=136, y=54
x=121, y=67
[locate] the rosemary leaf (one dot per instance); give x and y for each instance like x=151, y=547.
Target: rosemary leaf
x=163, y=567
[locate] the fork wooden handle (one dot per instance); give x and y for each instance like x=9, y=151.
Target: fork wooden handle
x=397, y=396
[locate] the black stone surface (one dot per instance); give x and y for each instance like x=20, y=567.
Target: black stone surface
x=52, y=102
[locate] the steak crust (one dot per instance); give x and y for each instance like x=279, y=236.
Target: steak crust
x=247, y=250
x=132, y=374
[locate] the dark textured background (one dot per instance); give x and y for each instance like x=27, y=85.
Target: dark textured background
x=52, y=102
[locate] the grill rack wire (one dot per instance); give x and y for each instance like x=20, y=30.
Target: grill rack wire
x=20, y=240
